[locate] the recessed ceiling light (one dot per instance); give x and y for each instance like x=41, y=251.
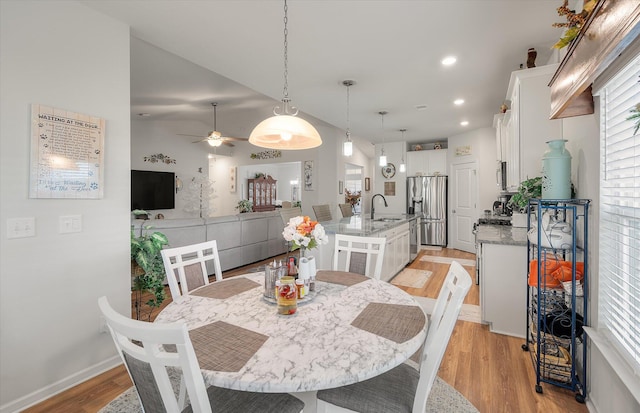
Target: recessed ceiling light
x=144, y=114
x=464, y=123
x=458, y=102
x=449, y=60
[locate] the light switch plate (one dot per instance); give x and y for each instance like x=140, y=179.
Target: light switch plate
x=21, y=227
x=70, y=223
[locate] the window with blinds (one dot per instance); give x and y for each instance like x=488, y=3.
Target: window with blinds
x=619, y=275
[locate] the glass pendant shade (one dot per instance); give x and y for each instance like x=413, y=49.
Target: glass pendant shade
x=383, y=160
x=285, y=132
x=347, y=148
x=403, y=168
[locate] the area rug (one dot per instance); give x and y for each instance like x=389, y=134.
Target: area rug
x=448, y=260
x=469, y=312
x=442, y=399
x=411, y=277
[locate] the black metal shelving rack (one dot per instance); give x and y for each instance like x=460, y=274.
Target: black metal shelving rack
x=556, y=314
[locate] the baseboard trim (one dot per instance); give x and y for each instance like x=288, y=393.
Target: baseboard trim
x=44, y=393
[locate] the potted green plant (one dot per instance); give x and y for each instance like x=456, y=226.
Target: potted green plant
x=531, y=188
x=244, y=205
x=147, y=269
x=528, y=189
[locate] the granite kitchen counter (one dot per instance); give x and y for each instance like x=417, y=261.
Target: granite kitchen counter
x=364, y=226
x=501, y=234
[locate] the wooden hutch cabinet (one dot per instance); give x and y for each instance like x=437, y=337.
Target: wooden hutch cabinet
x=262, y=192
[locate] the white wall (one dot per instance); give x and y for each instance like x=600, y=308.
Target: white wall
x=397, y=204
x=150, y=137
x=483, y=149
x=67, y=56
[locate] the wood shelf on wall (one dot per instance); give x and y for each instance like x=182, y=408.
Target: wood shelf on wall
x=611, y=28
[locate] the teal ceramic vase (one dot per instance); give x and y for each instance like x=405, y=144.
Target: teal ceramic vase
x=556, y=171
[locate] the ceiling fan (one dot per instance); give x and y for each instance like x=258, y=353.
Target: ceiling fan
x=215, y=138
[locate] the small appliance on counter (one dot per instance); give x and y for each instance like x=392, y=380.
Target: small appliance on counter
x=501, y=207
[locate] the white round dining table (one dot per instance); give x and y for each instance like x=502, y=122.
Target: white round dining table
x=348, y=332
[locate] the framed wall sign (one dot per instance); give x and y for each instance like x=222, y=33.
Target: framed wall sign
x=67, y=154
x=308, y=175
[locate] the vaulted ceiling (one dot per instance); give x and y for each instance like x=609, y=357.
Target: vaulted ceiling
x=187, y=54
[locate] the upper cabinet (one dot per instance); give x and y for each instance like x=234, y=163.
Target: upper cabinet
x=501, y=123
x=432, y=162
x=529, y=127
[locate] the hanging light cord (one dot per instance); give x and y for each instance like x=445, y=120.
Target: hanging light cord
x=348, y=121
x=286, y=108
x=382, y=113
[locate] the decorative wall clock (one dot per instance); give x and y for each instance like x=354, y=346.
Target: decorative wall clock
x=389, y=170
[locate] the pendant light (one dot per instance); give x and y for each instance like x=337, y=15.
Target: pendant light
x=347, y=145
x=284, y=130
x=403, y=167
x=383, y=157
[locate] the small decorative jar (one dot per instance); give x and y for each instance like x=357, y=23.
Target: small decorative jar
x=287, y=296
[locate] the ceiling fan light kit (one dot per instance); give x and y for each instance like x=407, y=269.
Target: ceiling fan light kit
x=284, y=130
x=215, y=138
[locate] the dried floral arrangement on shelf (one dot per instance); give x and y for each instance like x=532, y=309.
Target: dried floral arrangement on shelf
x=575, y=21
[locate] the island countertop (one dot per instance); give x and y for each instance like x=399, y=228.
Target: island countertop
x=361, y=225
x=501, y=234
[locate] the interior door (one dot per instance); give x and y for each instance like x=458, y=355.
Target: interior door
x=464, y=201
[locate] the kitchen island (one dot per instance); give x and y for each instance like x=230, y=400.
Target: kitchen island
x=395, y=228
x=502, y=266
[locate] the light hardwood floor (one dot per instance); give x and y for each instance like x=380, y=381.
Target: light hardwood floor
x=490, y=370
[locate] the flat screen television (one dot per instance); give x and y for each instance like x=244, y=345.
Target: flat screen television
x=152, y=190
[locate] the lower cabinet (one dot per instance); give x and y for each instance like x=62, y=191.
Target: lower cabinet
x=396, y=253
x=503, y=293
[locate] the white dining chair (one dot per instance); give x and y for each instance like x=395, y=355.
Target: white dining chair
x=404, y=389
x=148, y=349
x=186, y=267
x=322, y=212
x=362, y=255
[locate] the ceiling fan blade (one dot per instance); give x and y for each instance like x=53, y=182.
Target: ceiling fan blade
x=201, y=140
x=193, y=136
x=235, y=139
x=228, y=143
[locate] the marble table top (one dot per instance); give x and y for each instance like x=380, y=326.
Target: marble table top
x=314, y=349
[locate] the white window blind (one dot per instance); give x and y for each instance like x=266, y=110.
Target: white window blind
x=619, y=272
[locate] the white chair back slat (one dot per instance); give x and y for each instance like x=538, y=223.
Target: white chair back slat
x=441, y=324
x=350, y=247
x=179, y=265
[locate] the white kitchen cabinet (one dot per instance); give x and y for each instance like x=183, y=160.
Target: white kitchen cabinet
x=529, y=126
x=500, y=123
x=432, y=162
x=503, y=292
x=396, y=250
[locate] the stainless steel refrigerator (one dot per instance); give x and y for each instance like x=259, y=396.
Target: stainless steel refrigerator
x=427, y=198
